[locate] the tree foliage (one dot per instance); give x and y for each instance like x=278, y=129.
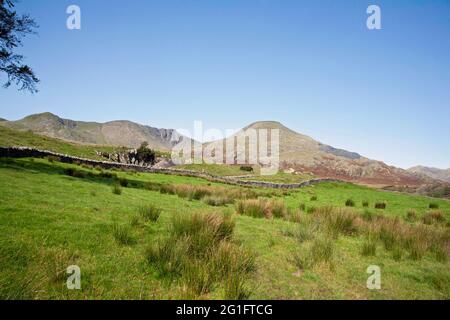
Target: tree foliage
x=13, y=28
x=145, y=154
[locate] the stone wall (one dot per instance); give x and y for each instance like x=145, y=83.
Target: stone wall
x=26, y=152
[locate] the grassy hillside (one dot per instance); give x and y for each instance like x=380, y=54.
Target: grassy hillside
x=53, y=215
x=10, y=137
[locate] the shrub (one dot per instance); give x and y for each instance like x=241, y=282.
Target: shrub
x=313, y=198
x=116, y=189
x=122, y=235
x=380, y=205
x=350, y=203
x=365, y=203
x=433, y=206
x=411, y=215
x=150, y=213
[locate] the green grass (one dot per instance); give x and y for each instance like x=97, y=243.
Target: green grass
x=50, y=220
x=16, y=138
x=218, y=170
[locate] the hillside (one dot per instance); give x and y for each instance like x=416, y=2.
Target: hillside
x=298, y=152
x=114, y=133
x=306, y=155
x=51, y=218
x=434, y=173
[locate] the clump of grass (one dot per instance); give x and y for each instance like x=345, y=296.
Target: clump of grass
x=433, y=205
x=75, y=173
x=150, y=213
x=336, y=221
x=313, y=198
x=93, y=193
x=302, y=207
x=116, y=189
x=295, y=216
x=365, y=203
x=123, y=182
x=278, y=208
x=397, y=253
x=122, y=234
x=306, y=231
x=311, y=209
x=369, y=247
x=198, y=252
x=322, y=250
x=349, y=203
x=246, y=168
x=134, y=221
x=380, y=205
x=216, y=201
x=368, y=215
x=434, y=216
x=411, y=215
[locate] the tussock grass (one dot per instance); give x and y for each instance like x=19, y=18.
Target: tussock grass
x=150, y=213
x=433, y=216
x=349, y=203
x=262, y=208
x=369, y=247
x=116, y=189
x=380, y=205
x=433, y=205
x=411, y=215
x=122, y=234
x=198, y=252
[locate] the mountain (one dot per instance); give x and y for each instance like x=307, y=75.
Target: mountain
x=115, y=133
x=434, y=173
x=304, y=154
x=1, y=119
x=298, y=152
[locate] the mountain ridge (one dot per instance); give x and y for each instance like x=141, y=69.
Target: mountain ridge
x=298, y=152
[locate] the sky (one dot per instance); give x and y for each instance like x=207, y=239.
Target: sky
x=312, y=65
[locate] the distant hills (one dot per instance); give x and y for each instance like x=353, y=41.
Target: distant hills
x=435, y=173
x=114, y=133
x=298, y=152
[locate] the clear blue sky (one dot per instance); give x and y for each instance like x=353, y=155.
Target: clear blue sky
x=312, y=65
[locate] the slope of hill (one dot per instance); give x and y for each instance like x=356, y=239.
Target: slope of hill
x=304, y=154
x=434, y=173
x=297, y=151
x=114, y=133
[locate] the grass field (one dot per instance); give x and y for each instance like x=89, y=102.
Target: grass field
x=114, y=227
